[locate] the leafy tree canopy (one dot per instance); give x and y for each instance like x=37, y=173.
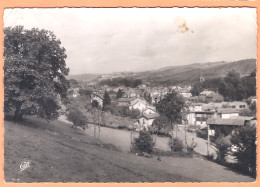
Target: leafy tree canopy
x=35, y=70
x=172, y=106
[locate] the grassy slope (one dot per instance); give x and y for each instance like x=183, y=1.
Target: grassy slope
x=58, y=153
x=190, y=73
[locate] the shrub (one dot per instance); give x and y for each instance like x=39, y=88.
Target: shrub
x=202, y=134
x=144, y=143
x=176, y=144
x=223, y=145
x=77, y=118
x=244, y=139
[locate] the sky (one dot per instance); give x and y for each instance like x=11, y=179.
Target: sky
x=106, y=40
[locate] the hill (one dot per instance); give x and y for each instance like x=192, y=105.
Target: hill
x=58, y=153
x=83, y=77
x=188, y=74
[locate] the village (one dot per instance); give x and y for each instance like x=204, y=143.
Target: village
x=208, y=104
x=134, y=95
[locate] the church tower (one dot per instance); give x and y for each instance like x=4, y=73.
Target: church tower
x=201, y=78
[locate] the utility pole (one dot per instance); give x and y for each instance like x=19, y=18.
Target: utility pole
x=185, y=130
x=208, y=141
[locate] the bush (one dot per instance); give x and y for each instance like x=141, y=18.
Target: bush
x=223, y=145
x=202, y=134
x=244, y=139
x=77, y=118
x=144, y=143
x=176, y=144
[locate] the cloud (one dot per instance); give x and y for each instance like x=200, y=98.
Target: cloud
x=103, y=40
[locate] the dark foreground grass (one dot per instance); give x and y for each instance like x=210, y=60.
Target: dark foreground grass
x=58, y=153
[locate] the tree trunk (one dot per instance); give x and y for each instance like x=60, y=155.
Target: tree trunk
x=18, y=115
x=172, y=136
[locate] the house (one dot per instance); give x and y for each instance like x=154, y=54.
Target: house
x=138, y=104
x=125, y=101
x=97, y=97
x=195, y=107
x=227, y=113
x=214, y=97
x=230, y=124
x=149, y=110
x=200, y=117
x=184, y=92
x=239, y=105
x=144, y=121
x=205, y=93
x=193, y=99
x=75, y=92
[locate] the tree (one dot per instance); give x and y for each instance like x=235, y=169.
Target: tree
x=35, y=70
x=196, y=89
x=148, y=97
x=173, y=107
x=77, y=118
x=107, y=100
x=120, y=94
x=144, y=143
x=244, y=139
x=161, y=123
x=223, y=145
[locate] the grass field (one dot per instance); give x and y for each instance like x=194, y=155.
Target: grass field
x=58, y=153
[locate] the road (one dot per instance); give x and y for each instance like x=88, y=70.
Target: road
x=122, y=139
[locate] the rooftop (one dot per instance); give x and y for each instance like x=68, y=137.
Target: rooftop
x=229, y=121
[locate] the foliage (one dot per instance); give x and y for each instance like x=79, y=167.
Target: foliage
x=244, y=139
x=144, y=143
x=246, y=112
x=223, y=145
x=85, y=92
x=120, y=94
x=77, y=118
x=196, y=89
x=35, y=70
x=160, y=124
x=176, y=144
x=173, y=107
x=122, y=111
x=202, y=134
x=73, y=83
x=252, y=107
x=107, y=100
x=147, y=97
x=127, y=82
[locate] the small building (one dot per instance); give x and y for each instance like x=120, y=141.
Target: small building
x=200, y=117
x=239, y=105
x=195, y=107
x=149, y=110
x=205, y=93
x=144, y=121
x=125, y=101
x=214, y=97
x=97, y=97
x=225, y=113
x=138, y=104
x=230, y=124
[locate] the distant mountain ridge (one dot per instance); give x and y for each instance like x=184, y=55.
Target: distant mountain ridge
x=84, y=77
x=188, y=74
x=185, y=74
